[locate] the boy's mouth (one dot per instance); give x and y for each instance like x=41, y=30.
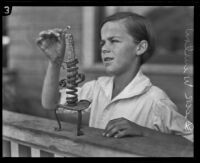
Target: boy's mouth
x=107, y=59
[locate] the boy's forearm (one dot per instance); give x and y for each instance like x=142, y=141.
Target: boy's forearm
x=50, y=92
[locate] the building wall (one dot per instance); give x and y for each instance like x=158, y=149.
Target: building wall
x=24, y=56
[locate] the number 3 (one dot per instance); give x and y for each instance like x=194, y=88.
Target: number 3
x=7, y=9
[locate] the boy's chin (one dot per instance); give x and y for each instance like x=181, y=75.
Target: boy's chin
x=111, y=71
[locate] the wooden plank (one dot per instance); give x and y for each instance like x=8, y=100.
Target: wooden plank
x=28, y=65
x=155, y=69
x=35, y=152
x=40, y=131
x=24, y=17
x=166, y=69
x=21, y=48
x=14, y=149
x=29, y=35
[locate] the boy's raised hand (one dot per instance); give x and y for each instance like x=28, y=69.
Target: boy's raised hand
x=52, y=43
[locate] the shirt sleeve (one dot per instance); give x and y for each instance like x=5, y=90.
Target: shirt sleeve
x=168, y=120
x=84, y=93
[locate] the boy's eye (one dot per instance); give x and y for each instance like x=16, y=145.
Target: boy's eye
x=113, y=41
x=102, y=43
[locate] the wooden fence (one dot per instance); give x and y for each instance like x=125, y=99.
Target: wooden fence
x=37, y=137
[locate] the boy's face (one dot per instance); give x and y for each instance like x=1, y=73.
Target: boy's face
x=118, y=49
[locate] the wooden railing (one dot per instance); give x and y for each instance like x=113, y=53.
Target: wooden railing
x=38, y=136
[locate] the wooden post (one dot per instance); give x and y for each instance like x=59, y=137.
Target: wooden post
x=35, y=152
x=14, y=149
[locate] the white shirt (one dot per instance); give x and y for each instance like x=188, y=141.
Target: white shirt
x=139, y=101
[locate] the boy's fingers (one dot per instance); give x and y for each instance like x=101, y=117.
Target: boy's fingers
x=50, y=34
x=107, y=129
x=113, y=126
x=39, y=40
x=58, y=30
x=112, y=132
x=54, y=33
x=113, y=122
x=40, y=43
x=109, y=126
x=120, y=133
x=44, y=34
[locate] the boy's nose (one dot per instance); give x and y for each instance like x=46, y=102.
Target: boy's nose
x=104, y=51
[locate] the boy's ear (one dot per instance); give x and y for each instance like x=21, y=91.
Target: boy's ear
x=141, y=47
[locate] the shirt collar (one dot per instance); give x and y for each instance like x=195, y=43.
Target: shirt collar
x=139, y=85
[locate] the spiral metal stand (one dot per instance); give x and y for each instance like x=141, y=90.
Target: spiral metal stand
x=71, y=83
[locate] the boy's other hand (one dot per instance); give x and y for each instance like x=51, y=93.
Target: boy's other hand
x=122, y=127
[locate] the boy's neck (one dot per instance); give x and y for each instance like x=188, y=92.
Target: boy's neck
x=122, y=80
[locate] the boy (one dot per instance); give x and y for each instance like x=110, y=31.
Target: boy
x=125, y=104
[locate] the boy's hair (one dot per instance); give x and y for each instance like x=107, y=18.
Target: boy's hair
x=138, y=27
